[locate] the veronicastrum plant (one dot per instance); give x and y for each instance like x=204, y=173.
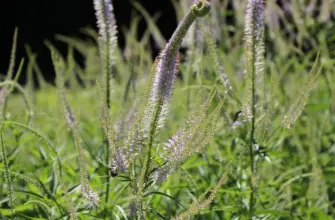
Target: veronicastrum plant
x=134, y=156
x=256, y=126
x=120, y=157
x=137, y=157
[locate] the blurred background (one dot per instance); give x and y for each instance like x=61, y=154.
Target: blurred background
x=300, y=22
x=38, y=20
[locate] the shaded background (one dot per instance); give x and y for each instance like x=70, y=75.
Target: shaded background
x=38, y=20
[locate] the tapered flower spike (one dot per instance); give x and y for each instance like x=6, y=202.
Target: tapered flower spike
x=202, y=202
x=118, y=158
x=3, y=95
x=107, y=39
x=296, y=109
x=107, y=26
x=254, y=49
x=209, y=37
x=12, y=56
x=70, y=205
x=191, y=138
x=167, y=64
x=86, y=189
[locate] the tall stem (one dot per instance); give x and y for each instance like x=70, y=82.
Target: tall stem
x=108, y=67
x=252, y=132
x=251, y=151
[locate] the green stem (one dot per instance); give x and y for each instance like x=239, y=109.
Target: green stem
x=108, y=69
x=144, y=172
x=252, y=200
x=10, y=190
x=199, y=9
x=107, y=75
x=252, y=158
x=108, y=175
x=107, y=65
x=153, y=128
x=153, y=132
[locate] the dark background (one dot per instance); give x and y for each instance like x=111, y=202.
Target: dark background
x=38, y=20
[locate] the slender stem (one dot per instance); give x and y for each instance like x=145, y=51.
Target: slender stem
x=153, y=132
x=252, y=132
x=10, y=190
x=108, y=176
x=199, y=9
x=107, y=66
x=153, y=128
x=251, y=152
x=108, y=69
x=146, y=165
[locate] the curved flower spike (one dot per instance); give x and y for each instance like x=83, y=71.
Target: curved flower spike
x=167, y=65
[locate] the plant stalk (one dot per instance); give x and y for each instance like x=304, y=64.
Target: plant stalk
x=252, y=200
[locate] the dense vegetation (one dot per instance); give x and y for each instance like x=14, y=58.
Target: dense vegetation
x=241, y=125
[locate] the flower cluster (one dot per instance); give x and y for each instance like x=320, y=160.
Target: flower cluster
x=254, y=44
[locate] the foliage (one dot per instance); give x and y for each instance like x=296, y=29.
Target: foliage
x=233, y=128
